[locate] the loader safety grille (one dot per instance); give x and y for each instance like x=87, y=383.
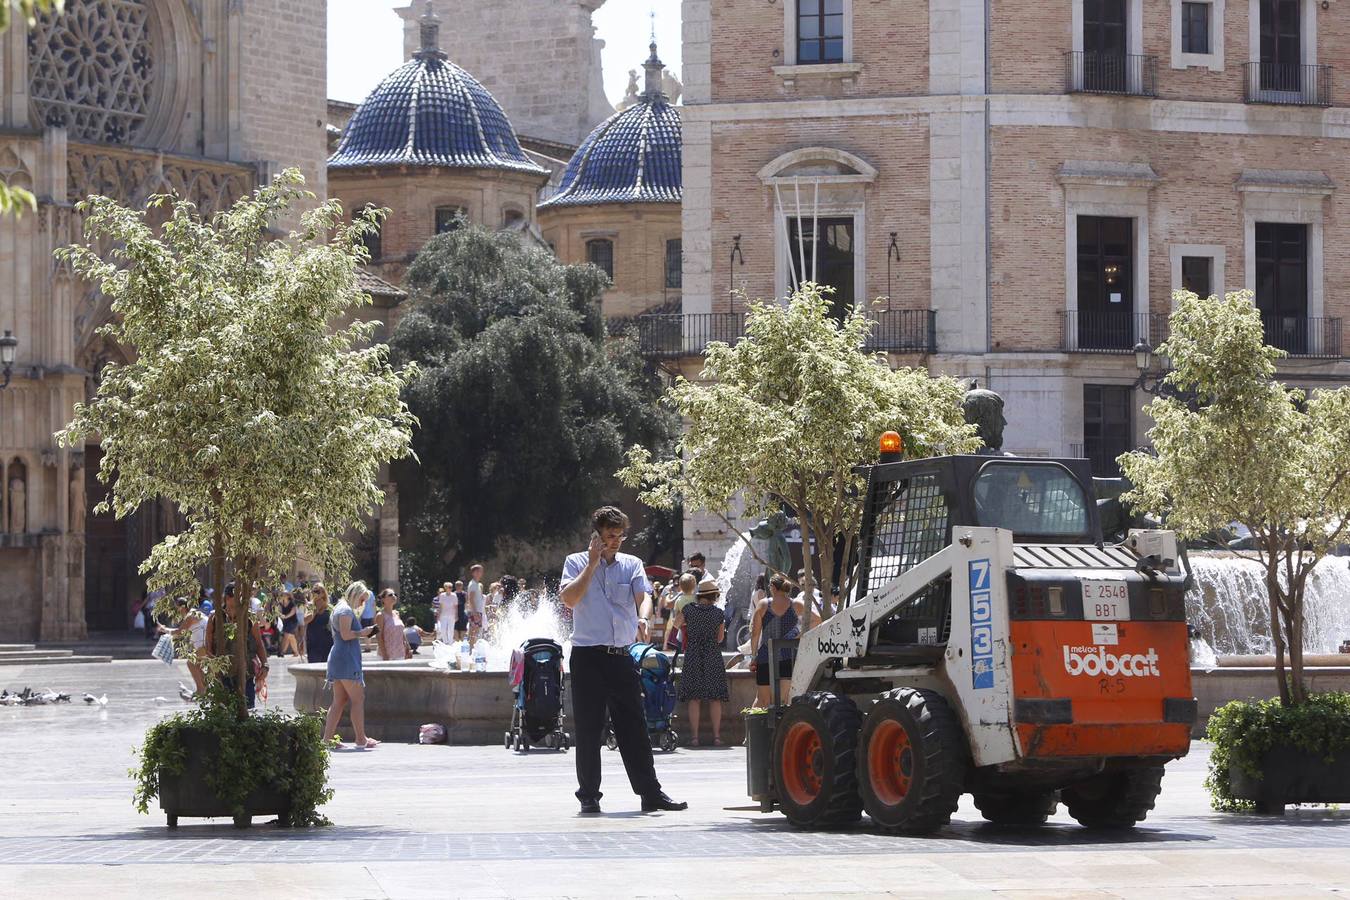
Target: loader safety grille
x=910, y=526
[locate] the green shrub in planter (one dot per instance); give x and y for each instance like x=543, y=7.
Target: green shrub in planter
x=258, y=753
x=1245, y=732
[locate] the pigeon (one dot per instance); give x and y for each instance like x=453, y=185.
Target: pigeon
x=50, y=696
x=101, y=701
x=162, y=700
x=8, y=699
x=186, y=693
x=61, y=698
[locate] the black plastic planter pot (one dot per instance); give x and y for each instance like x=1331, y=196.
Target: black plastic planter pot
x=190, y=794
x=1292, y=775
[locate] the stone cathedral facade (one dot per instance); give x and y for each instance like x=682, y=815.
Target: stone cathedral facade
x=127, y=98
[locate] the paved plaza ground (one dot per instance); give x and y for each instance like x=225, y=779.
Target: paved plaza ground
x=440, y=821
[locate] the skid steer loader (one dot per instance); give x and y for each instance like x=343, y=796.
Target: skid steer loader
x=992, y=646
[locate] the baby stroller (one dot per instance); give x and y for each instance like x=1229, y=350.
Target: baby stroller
x=537, y=714
x=656, y=671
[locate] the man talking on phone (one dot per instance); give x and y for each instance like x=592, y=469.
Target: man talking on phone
x=604, y=589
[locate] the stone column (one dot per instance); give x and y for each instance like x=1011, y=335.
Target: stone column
x=388, y=539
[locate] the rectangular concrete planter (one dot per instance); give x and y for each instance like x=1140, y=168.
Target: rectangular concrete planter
x=190, y=794
x=1292, y=775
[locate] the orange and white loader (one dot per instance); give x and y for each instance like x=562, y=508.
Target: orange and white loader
x=993, y=645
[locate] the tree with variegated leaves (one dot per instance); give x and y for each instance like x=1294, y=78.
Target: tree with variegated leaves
x=247, y=404
x=1248, y=449
x=784, y=416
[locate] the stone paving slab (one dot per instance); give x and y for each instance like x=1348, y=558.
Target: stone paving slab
x=482, y=822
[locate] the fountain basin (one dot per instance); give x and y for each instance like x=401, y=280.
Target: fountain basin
x=1267, y=661
x=475, y=707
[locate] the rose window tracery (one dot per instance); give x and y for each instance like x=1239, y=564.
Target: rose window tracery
x=92, y=69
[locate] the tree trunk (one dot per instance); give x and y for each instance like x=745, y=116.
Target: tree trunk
x=810, y=549
x=243, y=591
x=1298, y=690
x=827, y=576
x=218, y=582
x=1276, y=625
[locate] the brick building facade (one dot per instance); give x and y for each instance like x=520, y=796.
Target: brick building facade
x=1022, y=184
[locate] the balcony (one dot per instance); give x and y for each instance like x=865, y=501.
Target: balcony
x=1287, y=84
x=674, y=336
x=1111, y=331
x=1092, y=72
x=1300, y=336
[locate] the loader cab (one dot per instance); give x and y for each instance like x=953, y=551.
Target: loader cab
x=912, y=507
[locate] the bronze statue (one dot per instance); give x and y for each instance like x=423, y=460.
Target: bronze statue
x=774, y=531
x=983, y=408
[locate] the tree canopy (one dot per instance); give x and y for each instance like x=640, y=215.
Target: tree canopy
x=1252, y=451
x=783, y=417
x=525, y=404
x=242, y=405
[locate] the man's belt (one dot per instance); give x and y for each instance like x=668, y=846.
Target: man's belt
x=612, y=651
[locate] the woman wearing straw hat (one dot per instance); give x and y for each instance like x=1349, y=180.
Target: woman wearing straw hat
x=703, y=677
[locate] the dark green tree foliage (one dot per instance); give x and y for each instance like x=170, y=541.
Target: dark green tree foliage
x=525, y=406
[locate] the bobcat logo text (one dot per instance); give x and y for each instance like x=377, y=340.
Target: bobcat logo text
x=1095, y=661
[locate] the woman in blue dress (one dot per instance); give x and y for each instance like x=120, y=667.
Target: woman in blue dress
x=344, y=670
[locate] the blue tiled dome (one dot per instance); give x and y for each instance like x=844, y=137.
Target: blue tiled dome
x=430, y=112
x=631, y=157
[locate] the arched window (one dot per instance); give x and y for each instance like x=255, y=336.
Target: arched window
x=600, y=252
x=820, y=201
x=449, y=218
x=512, y=217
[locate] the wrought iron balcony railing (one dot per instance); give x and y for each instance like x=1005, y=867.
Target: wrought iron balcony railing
x=670, y=336
x=1094, y=72
x=1301, y=336
x=1287, y=84
x=1111, y=331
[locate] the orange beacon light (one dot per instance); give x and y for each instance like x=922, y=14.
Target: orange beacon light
x=891, y=445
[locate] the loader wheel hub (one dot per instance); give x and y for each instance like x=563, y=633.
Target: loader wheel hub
x=803, y=763
x=890, y=762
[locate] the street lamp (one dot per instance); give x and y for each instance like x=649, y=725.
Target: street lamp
x=9, y=344
x=1156, y=383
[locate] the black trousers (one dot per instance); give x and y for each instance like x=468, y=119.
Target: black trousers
x=607, y=682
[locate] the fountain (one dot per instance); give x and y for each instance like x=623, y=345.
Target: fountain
x=1228, y=605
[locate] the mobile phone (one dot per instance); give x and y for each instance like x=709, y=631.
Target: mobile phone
x=595, y=535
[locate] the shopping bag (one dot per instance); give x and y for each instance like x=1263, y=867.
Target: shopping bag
x=163, y=650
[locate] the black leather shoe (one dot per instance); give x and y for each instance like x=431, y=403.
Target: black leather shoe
x=661, y=801
x=590, y=807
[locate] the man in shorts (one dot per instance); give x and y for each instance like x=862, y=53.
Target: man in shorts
x=476, y=604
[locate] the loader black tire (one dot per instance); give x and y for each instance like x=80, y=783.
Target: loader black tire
x=1114, y=800
x=1017, y=807
x=815, y=761
x=912, y=761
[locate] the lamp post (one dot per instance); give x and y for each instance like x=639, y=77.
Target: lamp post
x=1155, y=383
x=9, y=345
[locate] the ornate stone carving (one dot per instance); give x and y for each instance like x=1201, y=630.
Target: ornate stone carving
x=132, y=177
x=92, y=69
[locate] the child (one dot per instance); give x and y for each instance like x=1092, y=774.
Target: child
x=415, y=634
x=688, y=584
